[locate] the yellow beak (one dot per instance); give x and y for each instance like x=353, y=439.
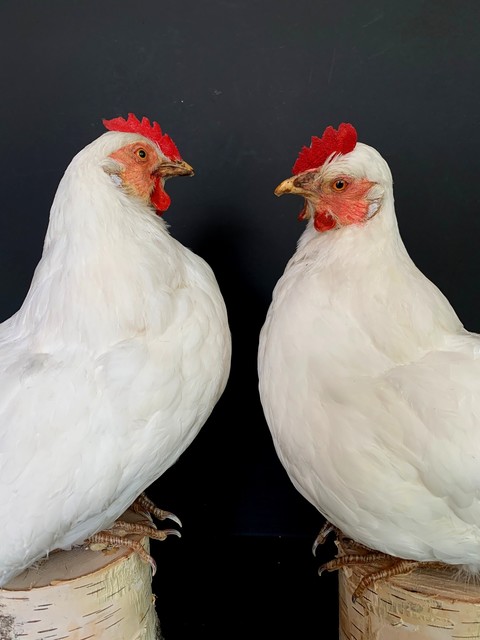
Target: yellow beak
x=289, y=186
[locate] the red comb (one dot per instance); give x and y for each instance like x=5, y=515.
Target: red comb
x=332, y=141
x=144, y=128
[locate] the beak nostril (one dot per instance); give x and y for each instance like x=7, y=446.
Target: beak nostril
x=293, y=185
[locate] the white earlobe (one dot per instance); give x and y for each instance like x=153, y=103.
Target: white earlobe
x=374, y=197
x=116, y=179
x=373, y=207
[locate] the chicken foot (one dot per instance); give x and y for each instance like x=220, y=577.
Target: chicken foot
x=116, y=535
x=323, y=534
x=143, y=504
x=396, y=567
x=363, y=556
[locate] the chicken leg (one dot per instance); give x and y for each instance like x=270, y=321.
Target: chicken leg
x=363, y=556
x=116, y=535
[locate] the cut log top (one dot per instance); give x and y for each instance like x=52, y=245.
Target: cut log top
x=429, y=603
x=82, y=594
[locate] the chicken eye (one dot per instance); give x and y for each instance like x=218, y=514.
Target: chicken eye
x=339, y=185
x=141, y=153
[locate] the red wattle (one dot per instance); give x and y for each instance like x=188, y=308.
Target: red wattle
x=324, y=221
x=160, y=199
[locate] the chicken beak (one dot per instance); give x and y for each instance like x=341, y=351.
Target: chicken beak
x=296, y=185
x=179, y=168
x=291, y=185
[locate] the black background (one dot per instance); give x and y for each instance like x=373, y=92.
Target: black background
x=240, y=87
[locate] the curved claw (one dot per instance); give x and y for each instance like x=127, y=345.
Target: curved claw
x=157, y=534
x=325, y=531
x=143, y=503
x=161, y=534
x=171, y=516
x=153, y=564
x=316, y=543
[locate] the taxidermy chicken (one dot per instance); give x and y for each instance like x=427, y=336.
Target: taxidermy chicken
x=369, y=383
x=117, y=356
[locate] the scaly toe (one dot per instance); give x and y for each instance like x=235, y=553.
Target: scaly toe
x=143, y=504
x=105, y=539
x=323, y=534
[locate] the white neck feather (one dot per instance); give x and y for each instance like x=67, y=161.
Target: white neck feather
x=104, y=251
x=356, y=244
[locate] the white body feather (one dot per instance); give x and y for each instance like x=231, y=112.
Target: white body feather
x=109, y=369
x=371, y=388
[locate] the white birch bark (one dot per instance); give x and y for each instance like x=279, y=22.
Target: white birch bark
x=82, y=595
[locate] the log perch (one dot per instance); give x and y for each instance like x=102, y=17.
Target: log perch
x=426, y=604
x=82, y=595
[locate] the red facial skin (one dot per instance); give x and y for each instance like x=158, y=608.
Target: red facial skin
x=140, y=174
x=339, y=205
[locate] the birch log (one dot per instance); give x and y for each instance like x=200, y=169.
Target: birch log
x=82, y=595
x=426, y=604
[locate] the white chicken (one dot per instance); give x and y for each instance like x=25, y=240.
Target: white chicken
x=117, y=356
x=369, y=383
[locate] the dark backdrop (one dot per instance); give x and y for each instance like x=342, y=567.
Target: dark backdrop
x=241, y=86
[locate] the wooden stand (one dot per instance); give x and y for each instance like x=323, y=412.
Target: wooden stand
x=427, y=604
x=82, y=594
